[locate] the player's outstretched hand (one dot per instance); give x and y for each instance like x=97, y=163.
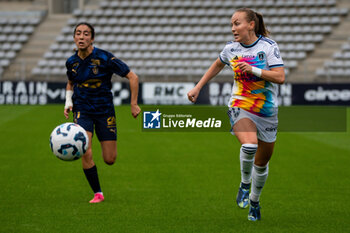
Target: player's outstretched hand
x=244, y=67
x=193, y=94
x=135, y=110
x=67, y=111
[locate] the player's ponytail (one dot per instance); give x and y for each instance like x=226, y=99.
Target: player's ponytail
x=260, y=28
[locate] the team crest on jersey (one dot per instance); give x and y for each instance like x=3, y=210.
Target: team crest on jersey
x=95, y=70
x=96, y=62
x=111, y=122
x=261, y=56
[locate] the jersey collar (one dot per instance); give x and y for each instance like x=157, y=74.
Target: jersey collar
x=251, y=45
x=85, y=59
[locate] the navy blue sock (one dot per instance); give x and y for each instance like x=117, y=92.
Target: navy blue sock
x=92, y=177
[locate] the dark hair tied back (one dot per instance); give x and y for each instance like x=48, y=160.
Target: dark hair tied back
x=260, y=28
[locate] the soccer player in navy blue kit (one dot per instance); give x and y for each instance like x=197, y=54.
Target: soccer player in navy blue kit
x=89, y=97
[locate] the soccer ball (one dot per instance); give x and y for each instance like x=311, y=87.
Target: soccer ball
x=69, y=141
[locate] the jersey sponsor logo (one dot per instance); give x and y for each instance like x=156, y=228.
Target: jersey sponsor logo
x=277, y=53
x=151, y=120
x=96, y=62
x=271, y=129
x=92, y=83
x=248, y=56
x=236, y=50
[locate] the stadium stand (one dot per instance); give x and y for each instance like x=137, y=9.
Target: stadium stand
x=339, y=66
x=18, y=22
x=180, y=39
x=15, y=30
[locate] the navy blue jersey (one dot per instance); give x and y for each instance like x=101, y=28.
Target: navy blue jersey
x=92, y=80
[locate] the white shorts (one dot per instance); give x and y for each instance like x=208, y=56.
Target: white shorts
x=266, y=126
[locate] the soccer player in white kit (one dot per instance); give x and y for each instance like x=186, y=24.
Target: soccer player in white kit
x=258, y=69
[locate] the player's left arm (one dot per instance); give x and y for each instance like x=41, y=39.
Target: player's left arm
x=122, y=69
x=275, y=75
x=134, y=89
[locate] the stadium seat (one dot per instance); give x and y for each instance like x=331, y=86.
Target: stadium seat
x=150, y=33
x=4, y=62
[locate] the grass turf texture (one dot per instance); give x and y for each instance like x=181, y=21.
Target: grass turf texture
x=167, y=182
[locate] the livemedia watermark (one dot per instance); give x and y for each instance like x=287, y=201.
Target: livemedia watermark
x=198, y=118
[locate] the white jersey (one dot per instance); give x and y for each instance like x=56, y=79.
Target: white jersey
x=249, y=92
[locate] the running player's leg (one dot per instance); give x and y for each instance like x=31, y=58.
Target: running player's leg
x=90, y=171
x=87, y=160
x=259, y=177
x=246, y=133
x=106, y=131
x=260, y=170
x=109, y=151
x=89, y=167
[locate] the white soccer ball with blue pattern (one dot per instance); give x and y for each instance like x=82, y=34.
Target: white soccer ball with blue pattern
x=69, y=141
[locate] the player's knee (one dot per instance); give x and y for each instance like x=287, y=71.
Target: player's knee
x=87, y=160
x=249, y=149
x=110, y=160
x=88, y=155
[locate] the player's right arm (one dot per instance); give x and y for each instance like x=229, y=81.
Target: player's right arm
x=69, y=102
x=213, y=70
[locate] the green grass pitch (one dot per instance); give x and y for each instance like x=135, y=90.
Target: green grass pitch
x=167, y=182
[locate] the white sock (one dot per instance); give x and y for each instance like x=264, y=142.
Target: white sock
x=259, y=178
x=246, y=157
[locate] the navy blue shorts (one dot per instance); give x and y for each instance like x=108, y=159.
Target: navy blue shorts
x=105, y=125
